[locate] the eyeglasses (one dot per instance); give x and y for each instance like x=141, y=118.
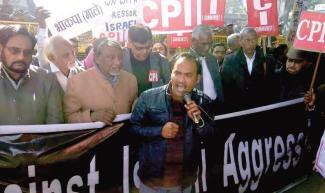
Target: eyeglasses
x=16, y=51
x=140, y=48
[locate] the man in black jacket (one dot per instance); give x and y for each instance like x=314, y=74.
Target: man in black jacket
x=247, y=74
x=293, y=79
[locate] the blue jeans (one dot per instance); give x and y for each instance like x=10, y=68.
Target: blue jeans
x=176, y=189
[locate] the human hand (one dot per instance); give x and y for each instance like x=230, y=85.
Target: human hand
x=104, y=115
x=309, y=98
x=41, y=14
x=170, y=130
x=193, y=110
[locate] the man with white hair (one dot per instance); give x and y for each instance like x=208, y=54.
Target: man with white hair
x=62, y=60
x=55, y=54
x=233, y=43
x=210, y=82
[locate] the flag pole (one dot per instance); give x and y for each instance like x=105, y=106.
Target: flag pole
x=315, y=72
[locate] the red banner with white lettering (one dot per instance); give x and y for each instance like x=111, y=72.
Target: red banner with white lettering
x=171, y=16
x=263, y=16
x=310, y=33
x=179, y=41
x=213, y=12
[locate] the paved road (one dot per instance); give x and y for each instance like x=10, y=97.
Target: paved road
x=314, y=184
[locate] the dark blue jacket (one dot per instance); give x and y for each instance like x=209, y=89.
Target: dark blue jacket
x=151, y=113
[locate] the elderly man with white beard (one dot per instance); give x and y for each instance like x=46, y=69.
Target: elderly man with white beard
x=103, y=91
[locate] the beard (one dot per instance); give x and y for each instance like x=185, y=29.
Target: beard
x=114, y=71
x=18, y=66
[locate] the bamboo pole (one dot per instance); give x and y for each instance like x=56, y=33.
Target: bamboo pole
x=264, y=44
x=315, y=72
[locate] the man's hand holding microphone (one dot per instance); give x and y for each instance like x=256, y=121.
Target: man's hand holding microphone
x=193, y=110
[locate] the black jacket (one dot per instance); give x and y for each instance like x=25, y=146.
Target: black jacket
x=241, y=90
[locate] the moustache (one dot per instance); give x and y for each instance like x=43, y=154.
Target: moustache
x=19, y=62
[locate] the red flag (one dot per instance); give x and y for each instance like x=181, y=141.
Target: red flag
x=170, y=16
x=310, y=33
x=179, y=41
x=263, y=16
x=213, y=12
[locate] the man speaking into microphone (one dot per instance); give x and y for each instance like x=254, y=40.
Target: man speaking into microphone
x=171, y=121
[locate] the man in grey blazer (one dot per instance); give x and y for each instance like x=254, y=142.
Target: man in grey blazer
x=29, y=95
x=210, y=82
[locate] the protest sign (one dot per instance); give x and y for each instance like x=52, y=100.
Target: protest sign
x=110, y=18
x=249, y=151
x=179, y=41
x=171, y=16
x=310, y=33
x=263, y=16
x=71, y=18
x=213, y=12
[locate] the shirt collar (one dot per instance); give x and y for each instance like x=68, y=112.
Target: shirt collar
x=247, y=58
x=194, y=52
x=111, y=79
x=168, y=89
x=197, y=54
x=54, y=68
x=3, y=74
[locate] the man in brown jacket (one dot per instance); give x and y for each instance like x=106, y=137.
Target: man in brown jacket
x=99, y=94
x=103, y=91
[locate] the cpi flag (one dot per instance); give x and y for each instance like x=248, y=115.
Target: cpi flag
x=181, y=16
x=179, y=41
x=171, y=16
x=311, y=32
x=213, y=12
x=263, y=16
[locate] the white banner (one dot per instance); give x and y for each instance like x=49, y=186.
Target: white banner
x=50, y=128
x=70, y=18
x=110, y=18
x=119, y=16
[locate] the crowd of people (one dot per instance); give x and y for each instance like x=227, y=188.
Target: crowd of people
x=54, y=87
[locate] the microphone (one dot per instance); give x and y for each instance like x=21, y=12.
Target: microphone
x=187, y=99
